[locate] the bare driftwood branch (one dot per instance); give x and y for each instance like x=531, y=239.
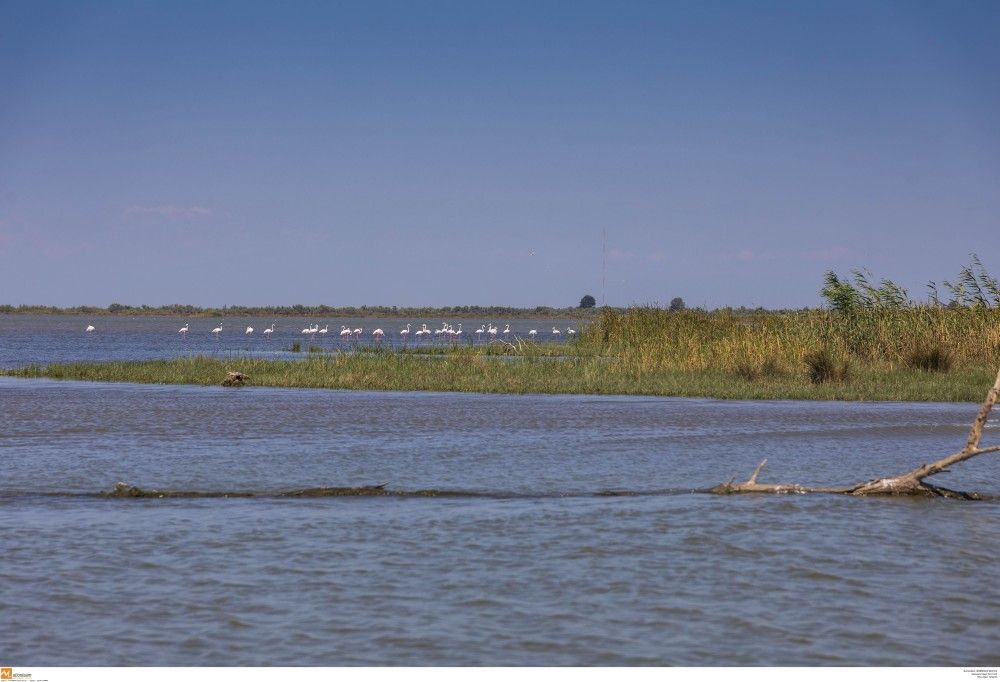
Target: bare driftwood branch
x=910, y=483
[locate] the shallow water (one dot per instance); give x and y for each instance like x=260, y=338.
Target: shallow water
x=539, y=572
x=42, y=339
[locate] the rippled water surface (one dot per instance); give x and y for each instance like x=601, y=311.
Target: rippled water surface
x=41, y=339
x=539, y=571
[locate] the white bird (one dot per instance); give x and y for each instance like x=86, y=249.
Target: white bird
x=555, y=331
x=325, y=329
x=533, y=333
x=217, y=331
x=91, y=328
x=506, y=330
x=378, y=334
x=492, y=330
x=458, y=332
x=570, y=331
x=357, y=333
x=345, y=333
x=249, y=331
x=184, y=329
x=268, y=332
x=307, y=330
x=405, y=333
x=481, y=331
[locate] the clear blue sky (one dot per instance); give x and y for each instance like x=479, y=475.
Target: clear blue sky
x=452, y=153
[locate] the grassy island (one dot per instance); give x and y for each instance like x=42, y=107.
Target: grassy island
x=930, y=353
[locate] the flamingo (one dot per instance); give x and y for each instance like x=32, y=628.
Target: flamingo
x=325, y=329
x=458, y=332
x=184, y=330
x=345, y=333
x=506, y=330
x=570, y=331
x=91, y=328
x=480, y=331
x=249, y=331
x=268, y=332
x=357, y=333
x=378, y=334
x=217, y=330
x=533, y=333
x=493, y=331
x=555, y=331
x=405, y=333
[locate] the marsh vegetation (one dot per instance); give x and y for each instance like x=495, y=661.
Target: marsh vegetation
x=872, y=343
x=918, y=353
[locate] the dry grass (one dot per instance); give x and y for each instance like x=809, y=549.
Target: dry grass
x=798, y=355
x=769, y=344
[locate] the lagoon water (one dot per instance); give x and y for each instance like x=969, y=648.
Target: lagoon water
x=27, y=339
x=528, y=565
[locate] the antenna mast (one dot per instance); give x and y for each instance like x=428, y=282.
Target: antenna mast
x=604, y=264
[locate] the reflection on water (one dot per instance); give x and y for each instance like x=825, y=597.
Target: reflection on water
x=532, y=569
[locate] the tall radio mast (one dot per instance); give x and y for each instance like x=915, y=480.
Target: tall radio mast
x=604, y=264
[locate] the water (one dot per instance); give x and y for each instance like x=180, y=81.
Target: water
x=40, y=339
x=539, y=571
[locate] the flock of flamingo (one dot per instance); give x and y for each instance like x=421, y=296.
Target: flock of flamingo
x=446, y=332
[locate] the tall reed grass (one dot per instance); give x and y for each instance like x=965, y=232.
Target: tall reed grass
x=916, y=354
x=652, y=339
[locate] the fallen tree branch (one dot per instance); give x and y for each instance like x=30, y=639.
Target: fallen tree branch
x=910, y=483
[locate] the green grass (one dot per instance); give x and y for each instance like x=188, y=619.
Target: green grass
x=402, y=372
x=924, y=354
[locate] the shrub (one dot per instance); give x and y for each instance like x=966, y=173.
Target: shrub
x=929, y=358
x=822, y=367
x=752, y=371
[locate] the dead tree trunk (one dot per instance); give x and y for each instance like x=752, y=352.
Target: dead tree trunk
x=910, y=483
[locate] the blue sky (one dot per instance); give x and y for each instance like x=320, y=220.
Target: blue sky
x=456, y=153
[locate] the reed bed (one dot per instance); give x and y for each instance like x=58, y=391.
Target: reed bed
x=649, y=339
x=935, y=354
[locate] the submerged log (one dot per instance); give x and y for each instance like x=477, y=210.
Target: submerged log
x=234, y=379
x=124, y=490
x=911, y=483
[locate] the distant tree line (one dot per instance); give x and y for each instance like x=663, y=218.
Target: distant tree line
x=299, y=310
